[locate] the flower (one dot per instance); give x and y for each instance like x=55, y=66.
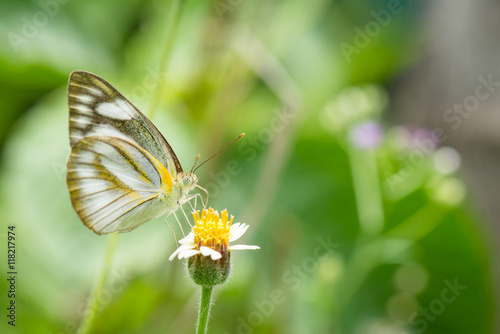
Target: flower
x=366, y=135
x=211, y=235
x=411, y=137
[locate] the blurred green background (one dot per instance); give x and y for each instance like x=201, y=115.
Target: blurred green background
x=364, y=217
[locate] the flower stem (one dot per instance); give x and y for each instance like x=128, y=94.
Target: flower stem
x=206, y=301
x=367, y=190
x=95, y=298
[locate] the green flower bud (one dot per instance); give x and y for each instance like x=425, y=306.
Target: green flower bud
x=207, y=272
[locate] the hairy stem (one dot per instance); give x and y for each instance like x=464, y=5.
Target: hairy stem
x=206, y=301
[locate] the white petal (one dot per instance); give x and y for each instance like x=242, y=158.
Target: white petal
x=216, y=256
x=205, y=251
x=241, y=247
x=188, y=253
x=237, y=231
x=189, y=239
x=180, y=249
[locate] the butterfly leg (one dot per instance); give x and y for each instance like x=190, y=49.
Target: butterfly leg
x=171, y=229
x=195, y=202
x=184, y=212
x=193, y=208
x=205, y=190
x=178, y=222
x=195, y=196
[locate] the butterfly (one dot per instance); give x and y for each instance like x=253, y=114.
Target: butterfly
x=121, y=171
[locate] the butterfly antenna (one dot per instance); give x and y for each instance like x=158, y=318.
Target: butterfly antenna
x=195, y=161
x=222, y=149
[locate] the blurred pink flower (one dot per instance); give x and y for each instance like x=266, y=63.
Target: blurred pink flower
x=366, y=135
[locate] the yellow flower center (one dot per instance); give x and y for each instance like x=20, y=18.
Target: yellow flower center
x=210, y=230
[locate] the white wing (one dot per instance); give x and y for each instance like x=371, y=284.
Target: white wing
x=115, y=185
x=97, y=109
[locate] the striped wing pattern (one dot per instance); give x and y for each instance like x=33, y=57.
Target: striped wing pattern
x=116, y=185
x=97, y=109
x=121, y=171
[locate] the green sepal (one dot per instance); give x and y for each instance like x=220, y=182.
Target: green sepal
x=206, y=272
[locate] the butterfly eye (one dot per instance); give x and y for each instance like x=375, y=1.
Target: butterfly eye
x=187, y=181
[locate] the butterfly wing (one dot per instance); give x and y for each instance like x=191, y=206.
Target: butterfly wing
x=116, y=185
x=97, y=109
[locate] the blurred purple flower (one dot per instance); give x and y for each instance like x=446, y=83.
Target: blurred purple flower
x=366, y=135
x=413, y=137
x=424, y=135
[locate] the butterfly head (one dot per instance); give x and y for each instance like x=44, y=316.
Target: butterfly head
x=188, y=181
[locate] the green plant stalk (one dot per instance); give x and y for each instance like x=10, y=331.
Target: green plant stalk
x=367, y=254
x=419, y=224
x=368, y=196
x=172, y=26
x=205, y=303
x=95, y=298
x=367, y=190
